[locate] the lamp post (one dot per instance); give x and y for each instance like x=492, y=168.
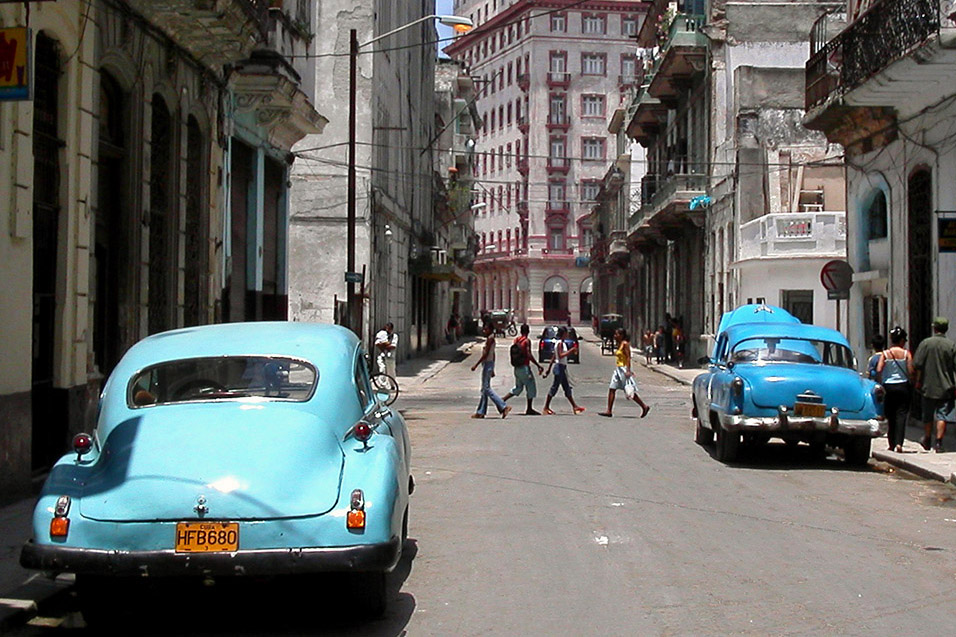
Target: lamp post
x=459, y=24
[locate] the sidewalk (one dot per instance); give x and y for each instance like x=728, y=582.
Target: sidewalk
x=915, y=459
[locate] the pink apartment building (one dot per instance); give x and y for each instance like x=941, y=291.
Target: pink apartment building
x=549, y=75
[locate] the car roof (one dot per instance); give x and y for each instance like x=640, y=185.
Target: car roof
x=322, y=344
x=755, y=313
x=738, y=333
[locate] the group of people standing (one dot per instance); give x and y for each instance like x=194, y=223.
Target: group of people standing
x=522, y=358
x=923, y=382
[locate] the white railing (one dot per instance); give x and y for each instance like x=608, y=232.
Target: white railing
x=794, y=234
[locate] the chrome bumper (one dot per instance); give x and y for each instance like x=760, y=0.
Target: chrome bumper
x=833, y=424
x=63, y=559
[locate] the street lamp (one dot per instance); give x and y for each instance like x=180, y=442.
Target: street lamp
x=460, y=25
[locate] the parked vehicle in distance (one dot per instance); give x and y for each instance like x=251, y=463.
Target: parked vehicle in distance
x=503, y=322
x=771, y=376
x=254, y=449
x=608, y=325
x=549, y=338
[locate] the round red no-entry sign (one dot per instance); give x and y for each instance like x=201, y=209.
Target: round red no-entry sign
x=836, y=276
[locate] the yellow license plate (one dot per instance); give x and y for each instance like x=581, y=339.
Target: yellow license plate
x=207, y=537
x=810, y=410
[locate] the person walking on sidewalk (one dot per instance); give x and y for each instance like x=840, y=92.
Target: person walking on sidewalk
x=487, y=362
x=623, y=377
x=935, y=363
x=522, y=359
x=559, y=362
x=386, y=342
x=895, y=369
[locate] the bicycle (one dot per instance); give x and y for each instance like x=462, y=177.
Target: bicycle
x=382, y=383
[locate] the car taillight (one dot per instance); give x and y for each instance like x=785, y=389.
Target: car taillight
x=60, y=524
x=355, y=519
x=879, y=393
x=361, y=431
x=738, y=387
x=82, y=445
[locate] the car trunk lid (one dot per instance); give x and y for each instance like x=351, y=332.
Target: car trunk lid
x=239, y=461
x=837, y=387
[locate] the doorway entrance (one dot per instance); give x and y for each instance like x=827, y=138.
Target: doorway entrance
x=919, y=216
x=556, y=300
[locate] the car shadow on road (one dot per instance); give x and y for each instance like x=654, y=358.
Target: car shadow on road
x=778, y=456
x=292, y=605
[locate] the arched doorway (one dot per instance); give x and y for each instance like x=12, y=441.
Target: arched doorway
x=161, y=227
x=196, y=239
x=556, y=300
x=111, y=254
x=919, y=216
x=587, y=288
x=49, y=433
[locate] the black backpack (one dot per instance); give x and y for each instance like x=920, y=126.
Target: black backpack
x=518, y=358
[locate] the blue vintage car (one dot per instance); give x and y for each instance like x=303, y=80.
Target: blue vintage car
x=548, y=340
x=770, y=375
x=225, y=450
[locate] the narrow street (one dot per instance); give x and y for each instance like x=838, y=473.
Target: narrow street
x=583, y=525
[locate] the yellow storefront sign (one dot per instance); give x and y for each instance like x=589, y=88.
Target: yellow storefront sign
x=14, y=63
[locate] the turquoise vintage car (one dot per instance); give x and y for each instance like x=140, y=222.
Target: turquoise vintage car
x=224, y=450
x=770, y=375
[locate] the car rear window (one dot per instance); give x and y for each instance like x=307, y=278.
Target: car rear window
x=223, y=377
x=792, y=350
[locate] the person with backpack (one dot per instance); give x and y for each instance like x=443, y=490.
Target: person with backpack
x=522, y=359
x=894, y=370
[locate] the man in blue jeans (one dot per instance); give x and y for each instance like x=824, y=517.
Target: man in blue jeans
x=487, y=361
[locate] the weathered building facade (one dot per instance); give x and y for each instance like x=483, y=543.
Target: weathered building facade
x=879, y=81
x=123, y=218
x=739, y=202
x=395, y=135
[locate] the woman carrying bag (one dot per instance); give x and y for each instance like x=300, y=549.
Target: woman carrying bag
x=895, y=369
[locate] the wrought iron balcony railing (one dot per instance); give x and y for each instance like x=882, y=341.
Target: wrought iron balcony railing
x=888, y=31
x=793, y=234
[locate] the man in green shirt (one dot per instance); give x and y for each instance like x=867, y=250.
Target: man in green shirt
x=935, y=363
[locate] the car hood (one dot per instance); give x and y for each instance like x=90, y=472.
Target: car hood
x=243, y=461
x=773, y=385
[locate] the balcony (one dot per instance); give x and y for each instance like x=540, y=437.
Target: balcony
x=794, y=234
x=215, y=32
x=557, y=205
x=523, y=124
x=524, y=81
x=683, y=56
x=896, y=60
x=559, y=122
x=617, y=251
x=645, y=124
x=558, y=165
x=665, y=203
x=559, y=79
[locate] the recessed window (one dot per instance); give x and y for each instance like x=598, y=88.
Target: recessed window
x=592, y=105
x=593, y=24
x=590, y=190
x=593, y=64
x=592, y=148
x=559, y=22
x=876, y=217
x=629, y=26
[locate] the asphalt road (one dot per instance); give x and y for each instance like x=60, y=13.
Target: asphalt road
x=581, y=525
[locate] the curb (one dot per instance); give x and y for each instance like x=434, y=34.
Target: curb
x=902, y=462
x=24, y=604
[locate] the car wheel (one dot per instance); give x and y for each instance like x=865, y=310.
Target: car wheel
x=405, y=525
x=728, y=444
x=856, y=451
x=372, y=592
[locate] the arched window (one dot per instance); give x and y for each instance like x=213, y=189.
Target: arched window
x=876, y=217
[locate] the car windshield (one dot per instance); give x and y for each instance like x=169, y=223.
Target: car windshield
x=792, y=350
x=548, y=332
x=217, y=378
